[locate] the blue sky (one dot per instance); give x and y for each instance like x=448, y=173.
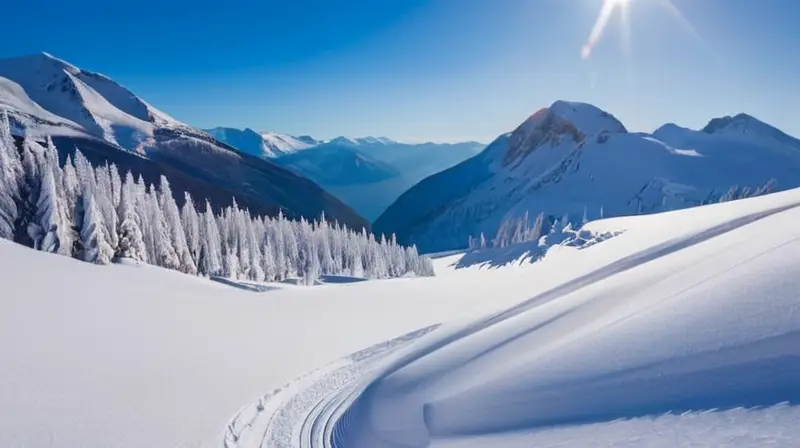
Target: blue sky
x=439, y=70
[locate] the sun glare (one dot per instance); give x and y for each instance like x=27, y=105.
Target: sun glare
x=608, y=8
x=600, y=25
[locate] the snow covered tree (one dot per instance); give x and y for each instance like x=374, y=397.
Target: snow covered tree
x=44, y=228
x=10, y=178
x=26, y=228
x=210, y=259
x=191, y=226
x=116, y=185
x=142, y=206
x=51, y=228
x=174, y=227
x=323, y=236
x=291, y=250
x=94, y=242
x=538, y=228
x=131, y=240
x=69, y=189
x=104, y=197
x=268, y=262
x=165, y=255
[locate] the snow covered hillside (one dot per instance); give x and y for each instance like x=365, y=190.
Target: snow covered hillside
x=668, y=334
x=128, y=355
x=575, y=159
x=48, y=97
x=366, y=173
x=680, y=331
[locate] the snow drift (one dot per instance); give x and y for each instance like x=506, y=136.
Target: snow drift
x=688, y=322
x=681, y=331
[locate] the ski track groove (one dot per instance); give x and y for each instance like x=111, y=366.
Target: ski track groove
x=320, y=414
x=299, y=414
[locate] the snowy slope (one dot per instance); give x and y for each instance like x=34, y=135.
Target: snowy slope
x=138, y=356
x=681, y=331
x=282, y=144
x=170, y=360
x=71, y=96
x=572, y=157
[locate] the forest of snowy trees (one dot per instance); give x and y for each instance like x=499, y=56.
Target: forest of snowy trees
x=97, y=215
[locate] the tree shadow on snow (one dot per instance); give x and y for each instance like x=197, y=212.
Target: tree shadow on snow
x=252, y=287
x=502, y=256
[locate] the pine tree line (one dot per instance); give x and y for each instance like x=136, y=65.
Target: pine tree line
x=546, y=232
x=736, y=192
x=95, y=215
x=522, y=229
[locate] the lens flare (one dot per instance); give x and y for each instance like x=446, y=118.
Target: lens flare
x=608, y=9
x=600, y=25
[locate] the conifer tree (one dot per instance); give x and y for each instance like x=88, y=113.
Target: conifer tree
x=131, y=239
x=210, y=260
x=10, y=178
x=191, y=225
x=174, y=227
x=93, y=240
x=165, y=255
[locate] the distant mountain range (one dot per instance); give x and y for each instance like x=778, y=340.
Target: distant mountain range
x=577, y=160
x=89, y=111
x=266, y=145
x=345, y=166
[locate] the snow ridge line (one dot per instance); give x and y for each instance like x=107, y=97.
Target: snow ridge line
x=344, y=419
x=299, y=413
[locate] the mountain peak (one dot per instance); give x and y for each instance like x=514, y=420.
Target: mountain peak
x=40, y=61
x=740, y=121
x=588, y=118
x=745, y=125
x=562, y=121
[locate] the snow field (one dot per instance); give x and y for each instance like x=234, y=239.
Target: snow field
x=680, y=331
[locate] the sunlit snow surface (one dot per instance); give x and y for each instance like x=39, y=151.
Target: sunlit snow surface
x=634, y=341
x=684, y=330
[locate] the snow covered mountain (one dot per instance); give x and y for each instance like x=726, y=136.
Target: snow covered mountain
x=344, y=165
x=44, y=95
x=414, y=160
x=53, y=96
x=338, y=166
x=265, y=144
x=575, y=159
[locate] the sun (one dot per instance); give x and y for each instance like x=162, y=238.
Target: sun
x=624, y=7
x=609, y=6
